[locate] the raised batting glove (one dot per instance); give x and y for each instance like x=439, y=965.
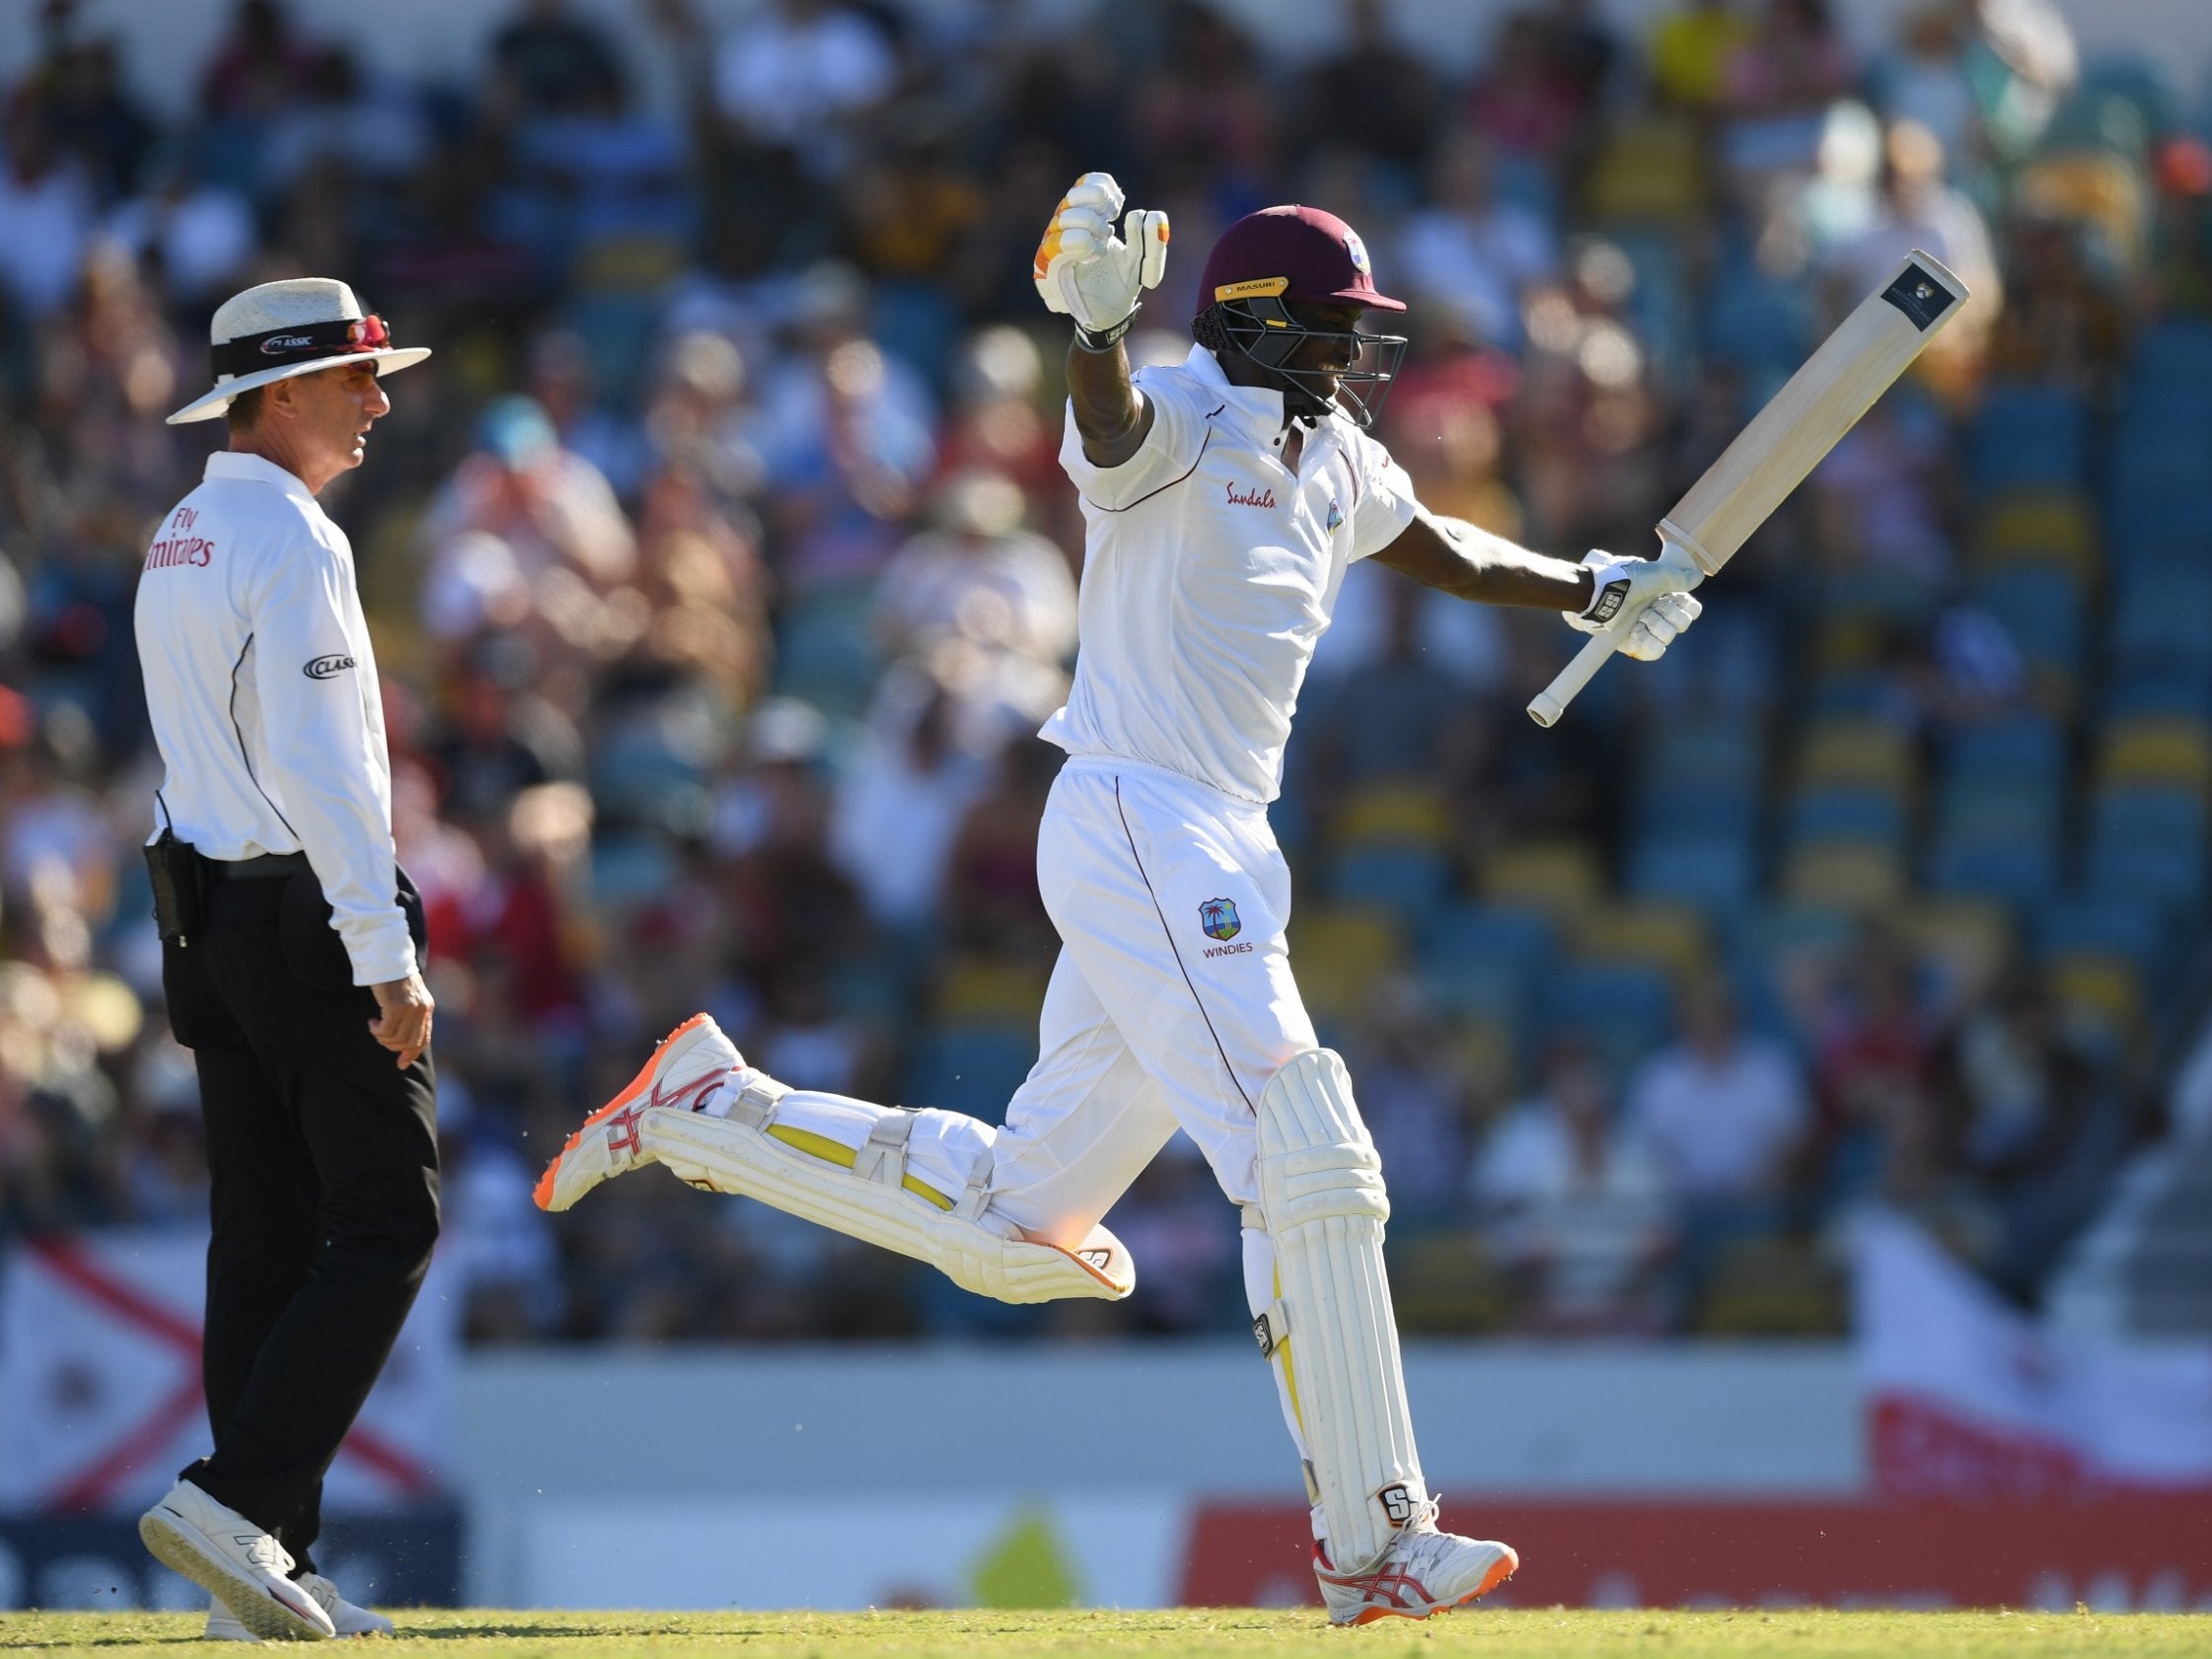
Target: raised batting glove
x=1085, y=272
x=1646, y=600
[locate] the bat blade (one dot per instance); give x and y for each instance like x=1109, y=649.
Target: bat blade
x=1786, y=440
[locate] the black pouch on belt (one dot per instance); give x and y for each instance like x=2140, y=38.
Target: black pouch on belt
x=180, y=888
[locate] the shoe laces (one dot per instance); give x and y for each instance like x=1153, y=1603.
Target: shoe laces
x=269, y=1556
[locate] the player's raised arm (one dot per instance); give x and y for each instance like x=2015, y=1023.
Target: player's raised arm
x=1650, y=599
x=1088, y=273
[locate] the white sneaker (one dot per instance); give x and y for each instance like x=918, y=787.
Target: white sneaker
x=687, y=1069
x=1423, y=1571
x=348, y=1619
x=234, y=1562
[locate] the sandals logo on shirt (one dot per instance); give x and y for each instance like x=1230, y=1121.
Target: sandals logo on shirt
x=326, y=668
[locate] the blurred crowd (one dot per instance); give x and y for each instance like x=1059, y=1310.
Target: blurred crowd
x=721, y=570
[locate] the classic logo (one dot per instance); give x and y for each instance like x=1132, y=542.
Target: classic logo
x=1336, y=516
x=1218, y=918
x=1397, y=1503
x=1251, y=497
x=328, y=668
x=286, y=342
x=1358, y=250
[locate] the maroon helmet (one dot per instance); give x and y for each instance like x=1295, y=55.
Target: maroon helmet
x=1281, y=256
x=1292, y=253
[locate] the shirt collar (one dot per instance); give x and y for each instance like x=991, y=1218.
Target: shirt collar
x=1258, y=408
x=235, y=463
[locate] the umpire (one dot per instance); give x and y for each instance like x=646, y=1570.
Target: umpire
x=290, y=942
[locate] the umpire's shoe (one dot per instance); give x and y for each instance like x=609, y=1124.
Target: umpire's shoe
x=236, y=1562
x=350, y=1620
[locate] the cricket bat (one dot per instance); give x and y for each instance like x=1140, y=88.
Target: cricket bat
x=1786, y=440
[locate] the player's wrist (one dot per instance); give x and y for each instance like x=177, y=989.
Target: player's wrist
x=1098, y=341
x=1609, y=581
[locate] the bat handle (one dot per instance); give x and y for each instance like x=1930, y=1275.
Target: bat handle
x=1551, y=702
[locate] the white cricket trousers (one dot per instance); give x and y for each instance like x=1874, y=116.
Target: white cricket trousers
x=1172, y=1005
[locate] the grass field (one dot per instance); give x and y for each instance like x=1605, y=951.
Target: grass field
x=1244, y=1632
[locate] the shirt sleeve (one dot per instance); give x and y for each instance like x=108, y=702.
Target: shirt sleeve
x=1169, y=451
x=328, y=767
x=1386, y=499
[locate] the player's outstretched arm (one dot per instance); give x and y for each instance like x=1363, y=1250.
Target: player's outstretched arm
x=1092, y=275
x=1648, y=598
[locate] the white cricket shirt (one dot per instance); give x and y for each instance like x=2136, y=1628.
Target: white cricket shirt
x=262, y=689
x=1210, y=569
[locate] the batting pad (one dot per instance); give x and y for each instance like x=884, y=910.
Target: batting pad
x=867, y=1196
x=1332, y=1331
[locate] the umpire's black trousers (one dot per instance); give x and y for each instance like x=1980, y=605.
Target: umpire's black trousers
x=323, y=1156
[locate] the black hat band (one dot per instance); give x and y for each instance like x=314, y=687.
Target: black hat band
x=301, y=343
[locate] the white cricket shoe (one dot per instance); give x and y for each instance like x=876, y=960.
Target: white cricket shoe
x=236, y=1562
x=1423, y=1571
x=348, y=1619
x=687, y=1069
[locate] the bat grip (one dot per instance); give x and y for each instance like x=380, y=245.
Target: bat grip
x=1551, y=702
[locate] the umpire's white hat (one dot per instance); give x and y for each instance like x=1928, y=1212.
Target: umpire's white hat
x=292, y=328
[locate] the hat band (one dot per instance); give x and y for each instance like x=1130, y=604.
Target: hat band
x=302, y=343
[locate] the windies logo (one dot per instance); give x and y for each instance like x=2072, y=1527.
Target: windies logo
x=1358, y=250
x=1217, y=917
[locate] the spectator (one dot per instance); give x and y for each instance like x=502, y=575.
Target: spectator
x=846, y=434
x=1924, y=79
x=1520, y=103
x=1472, y=253
x=1722, y=1111
x=1580, y=1214
x=1206, y=119
x=548, y=61
x=906, y=798
x=2023, y=62
x=561, y=377
x=93, y=120
x=977, y=575
x=199, y=236
x=1417, y=1092
x=1776, y=86
x=798, y=74
x=1373, y=95
x=527, y=528
x=2062, y=325
x=1692, y=48
x=1917, y=209
x=47, y=212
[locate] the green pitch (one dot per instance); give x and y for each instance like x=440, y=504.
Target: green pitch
x=1227, y=1631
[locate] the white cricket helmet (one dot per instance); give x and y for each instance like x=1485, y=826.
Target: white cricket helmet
x=279, y=329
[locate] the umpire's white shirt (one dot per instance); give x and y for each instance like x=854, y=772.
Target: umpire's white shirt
x=1210, y=570
x=262, y=689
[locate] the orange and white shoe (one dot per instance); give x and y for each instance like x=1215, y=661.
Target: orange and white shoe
x=1423, y=1571
x=692, y=1064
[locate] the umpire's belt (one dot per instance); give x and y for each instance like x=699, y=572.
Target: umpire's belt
x=263, y=868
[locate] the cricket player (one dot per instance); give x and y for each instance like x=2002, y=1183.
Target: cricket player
x=1224, y=498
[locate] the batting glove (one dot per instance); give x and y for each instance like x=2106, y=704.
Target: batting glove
x=1085, y=272
x=1646, y=601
